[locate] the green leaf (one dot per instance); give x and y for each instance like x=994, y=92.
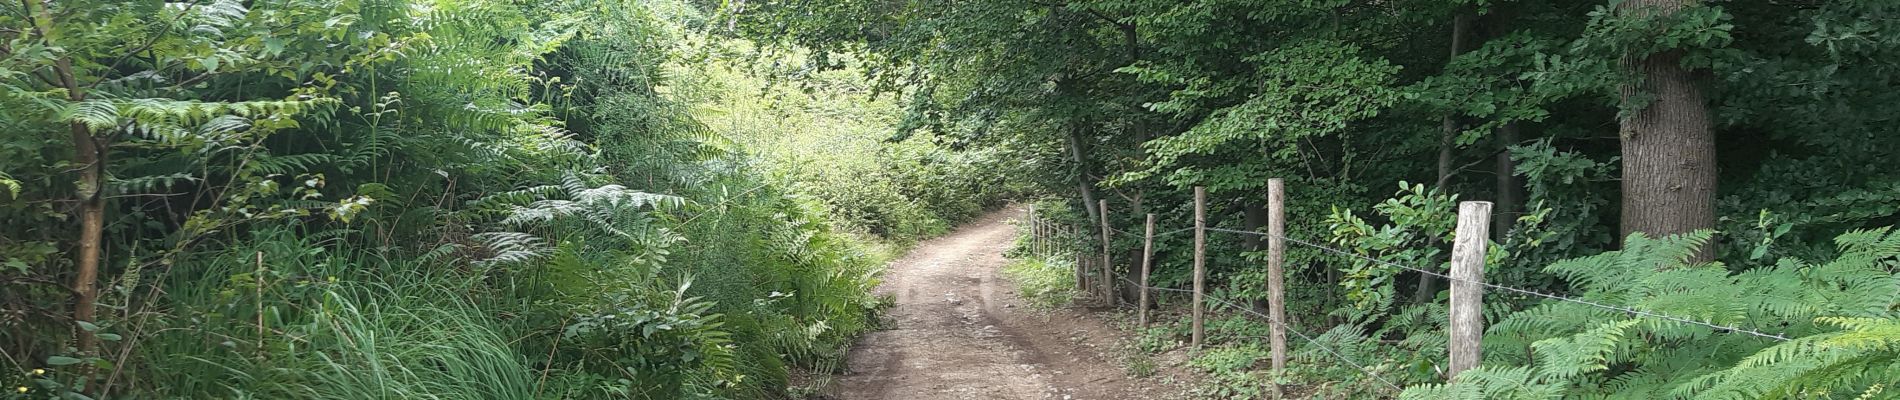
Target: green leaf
x=62, y=361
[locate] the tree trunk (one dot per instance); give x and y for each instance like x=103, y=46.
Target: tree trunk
x=89, y=155
x=1082, y=173
x=1448, y=134
x=1448, y=124
x=1510, y=191
x=1447, y=139
x=1252, y=219
x=1669, y=171
x=92, y=222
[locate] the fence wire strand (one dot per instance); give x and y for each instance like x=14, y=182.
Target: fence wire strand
x=1528, y=292
x=1288, y=327
x=1625, y=310
x=1309, y=340
x=1368, y=372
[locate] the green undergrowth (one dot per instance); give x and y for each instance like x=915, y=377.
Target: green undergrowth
x=1046, y=282
x=480, y=200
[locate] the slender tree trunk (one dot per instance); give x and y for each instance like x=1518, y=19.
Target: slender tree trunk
x=1448, y=134
x=1252, y=219
x=1082, y=183
x=1669, y=171
x=1510, y=191
x=1448, y=124
x=92, y=222
x=1132, y=43
x=1447, y=139
x=89, y=154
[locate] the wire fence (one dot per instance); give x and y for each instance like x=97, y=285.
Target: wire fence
x=1088, y=276
x=1552, y=296
x=1289, y=328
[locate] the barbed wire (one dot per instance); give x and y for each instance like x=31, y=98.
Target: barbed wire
x=1137, y=285
x=1309, y=340
x=1626, y=310
x=1288, y=327
x=1236, y=231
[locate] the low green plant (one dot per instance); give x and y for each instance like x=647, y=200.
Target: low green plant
x=1162, y=336
x=1231, y=372
x=1139, y=364
x=1046, y=282
x=1839, y=316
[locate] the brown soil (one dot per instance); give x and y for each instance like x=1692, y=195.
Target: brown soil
x=960, y=331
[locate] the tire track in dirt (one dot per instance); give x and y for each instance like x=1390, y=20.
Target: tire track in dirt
x=960, y=331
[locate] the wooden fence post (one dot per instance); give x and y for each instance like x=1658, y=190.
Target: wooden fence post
x=1081, y=259
x=1047, y=234
x=1467, y=295
x=1108, y=267
x=1200, y=261
x=1147, y=261
x=1035, y=232
x=1276, y=269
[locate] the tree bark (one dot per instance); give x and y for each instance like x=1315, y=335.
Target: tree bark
x=1252, y=219
x=1448, y=124
x=1669, y=170
x=92, y=221
x=89, y=154
x=1510, y=191
x=1082, y=183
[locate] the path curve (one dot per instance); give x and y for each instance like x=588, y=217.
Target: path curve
x=959, y=331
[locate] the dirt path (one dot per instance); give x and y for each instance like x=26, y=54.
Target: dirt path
x=960, y=331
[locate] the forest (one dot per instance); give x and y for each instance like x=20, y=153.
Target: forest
x=669, y=199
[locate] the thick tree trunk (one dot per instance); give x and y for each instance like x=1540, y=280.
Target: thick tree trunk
x=1510, y=191
x=1669, y=171
x=1447, y=139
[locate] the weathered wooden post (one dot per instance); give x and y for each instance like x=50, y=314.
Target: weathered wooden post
x=1200, y=262
x=1276, y=270
x=1467, y=294
x=1081, y=258
x=1147, y=261
x=1035, y=232
x=1108, y=267
x=1042, y=236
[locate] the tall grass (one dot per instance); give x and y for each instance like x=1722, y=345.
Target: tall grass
x=334, y=326
x=372, y=341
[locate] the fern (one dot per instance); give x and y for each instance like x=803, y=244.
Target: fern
x=1842, y=314
x=12, y=186
x=154, y=184
x=510, y=247
x=288, y=164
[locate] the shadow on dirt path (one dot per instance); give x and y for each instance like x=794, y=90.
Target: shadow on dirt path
x=959, y=331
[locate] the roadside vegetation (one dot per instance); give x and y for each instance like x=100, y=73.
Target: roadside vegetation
x=451, y=199
x=1720, y=161
x=397, y=199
